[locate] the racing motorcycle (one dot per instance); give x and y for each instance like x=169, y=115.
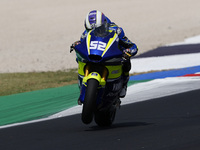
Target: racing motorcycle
x=100, y=76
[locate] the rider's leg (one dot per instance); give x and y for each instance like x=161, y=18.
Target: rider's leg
x=126, y=69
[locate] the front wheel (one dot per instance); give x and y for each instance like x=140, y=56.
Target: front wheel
x=89, y=104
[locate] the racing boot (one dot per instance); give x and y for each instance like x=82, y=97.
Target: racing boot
x=122, y=94
x=79, y=101
x=118, y=103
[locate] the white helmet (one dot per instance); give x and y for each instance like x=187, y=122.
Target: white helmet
x=94, y=19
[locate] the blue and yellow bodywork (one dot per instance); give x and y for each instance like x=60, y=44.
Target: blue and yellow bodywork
x=98, y=58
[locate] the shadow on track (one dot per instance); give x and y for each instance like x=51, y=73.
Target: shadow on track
x=119, y=125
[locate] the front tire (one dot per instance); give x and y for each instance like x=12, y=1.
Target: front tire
x=89, y=104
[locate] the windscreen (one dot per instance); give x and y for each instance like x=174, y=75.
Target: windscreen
x=101, y=31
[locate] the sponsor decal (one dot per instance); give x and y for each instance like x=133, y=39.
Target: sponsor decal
x=119, y=31
x=94, y=74
x=115, y=71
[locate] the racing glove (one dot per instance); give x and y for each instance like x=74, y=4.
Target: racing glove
x=127, y=54
x=73, y=45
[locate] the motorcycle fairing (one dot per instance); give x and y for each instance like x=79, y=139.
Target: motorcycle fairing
x=109, y=55
x=114, y=71
x=104, y=47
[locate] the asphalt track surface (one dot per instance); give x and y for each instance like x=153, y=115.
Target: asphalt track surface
x=168, y=123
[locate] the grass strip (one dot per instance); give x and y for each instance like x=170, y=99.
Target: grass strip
x=12, y=83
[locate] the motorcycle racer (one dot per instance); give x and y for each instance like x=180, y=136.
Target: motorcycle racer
x=96, y=19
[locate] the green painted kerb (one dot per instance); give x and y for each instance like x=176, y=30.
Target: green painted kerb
x=131, y=82
x=38, y=104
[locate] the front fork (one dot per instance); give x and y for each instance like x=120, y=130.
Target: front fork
x=90, y=74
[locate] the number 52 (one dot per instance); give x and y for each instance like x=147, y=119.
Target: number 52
x=98, y=45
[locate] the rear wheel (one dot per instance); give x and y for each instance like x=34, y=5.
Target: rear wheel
x=89, y=104
x=105, y=117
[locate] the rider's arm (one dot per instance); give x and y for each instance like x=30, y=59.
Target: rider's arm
x=129, y=48
x=126, y=44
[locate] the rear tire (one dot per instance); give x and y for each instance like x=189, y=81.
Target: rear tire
x=105, y=117
x=89, y=104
